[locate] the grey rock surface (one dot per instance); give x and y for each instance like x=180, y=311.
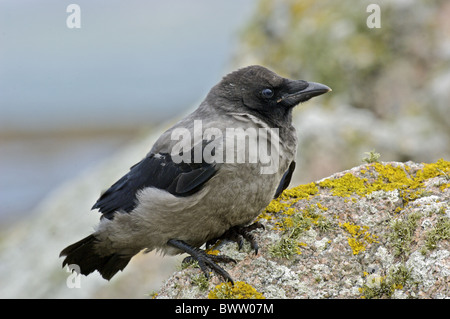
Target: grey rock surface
x=375, y=231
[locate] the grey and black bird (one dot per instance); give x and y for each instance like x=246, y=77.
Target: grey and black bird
x=186, y=193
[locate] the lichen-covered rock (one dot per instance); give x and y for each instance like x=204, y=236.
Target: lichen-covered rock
x=380, y=230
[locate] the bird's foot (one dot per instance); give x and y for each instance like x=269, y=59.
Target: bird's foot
x=238, y=234
x=204, y=260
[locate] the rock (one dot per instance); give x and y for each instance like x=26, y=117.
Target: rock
x=379, y=230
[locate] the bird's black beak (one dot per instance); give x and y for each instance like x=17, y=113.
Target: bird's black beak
x=301, y=91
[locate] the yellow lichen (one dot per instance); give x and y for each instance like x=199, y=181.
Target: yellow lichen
x=240, y=290
x=284, y=202
x=212, y=251
x=389, y=177
x=300, y=192
x=440, y=168
x=346, y=185
x=360, y=237
x=293, y=224
x=378, y=176
x=320, y=206
x=275, y=206
x=301, y=220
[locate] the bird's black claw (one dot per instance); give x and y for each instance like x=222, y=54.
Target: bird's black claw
x=239, y=233
x=204, y=260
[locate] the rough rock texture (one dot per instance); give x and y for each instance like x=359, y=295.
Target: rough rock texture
x=380, y=230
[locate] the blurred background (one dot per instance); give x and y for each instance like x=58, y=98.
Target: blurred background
x=79, y=106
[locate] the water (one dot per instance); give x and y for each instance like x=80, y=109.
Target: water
x=70, y=97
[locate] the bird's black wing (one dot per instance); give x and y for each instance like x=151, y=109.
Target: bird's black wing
x=159, y=171
x=285, y=180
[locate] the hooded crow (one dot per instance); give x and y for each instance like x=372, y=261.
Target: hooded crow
x=206, y=178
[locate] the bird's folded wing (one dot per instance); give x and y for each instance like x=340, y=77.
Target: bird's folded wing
x=159, y=171
x=285, y=180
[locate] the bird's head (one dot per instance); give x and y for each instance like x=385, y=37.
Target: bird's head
x=256, y=89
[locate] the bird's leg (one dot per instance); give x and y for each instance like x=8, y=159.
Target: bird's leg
x=238, y=234
x=204, y=260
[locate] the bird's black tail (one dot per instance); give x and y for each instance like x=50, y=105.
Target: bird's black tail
x=84, y=255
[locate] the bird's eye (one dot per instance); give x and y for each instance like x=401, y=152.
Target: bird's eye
x=267, y=93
